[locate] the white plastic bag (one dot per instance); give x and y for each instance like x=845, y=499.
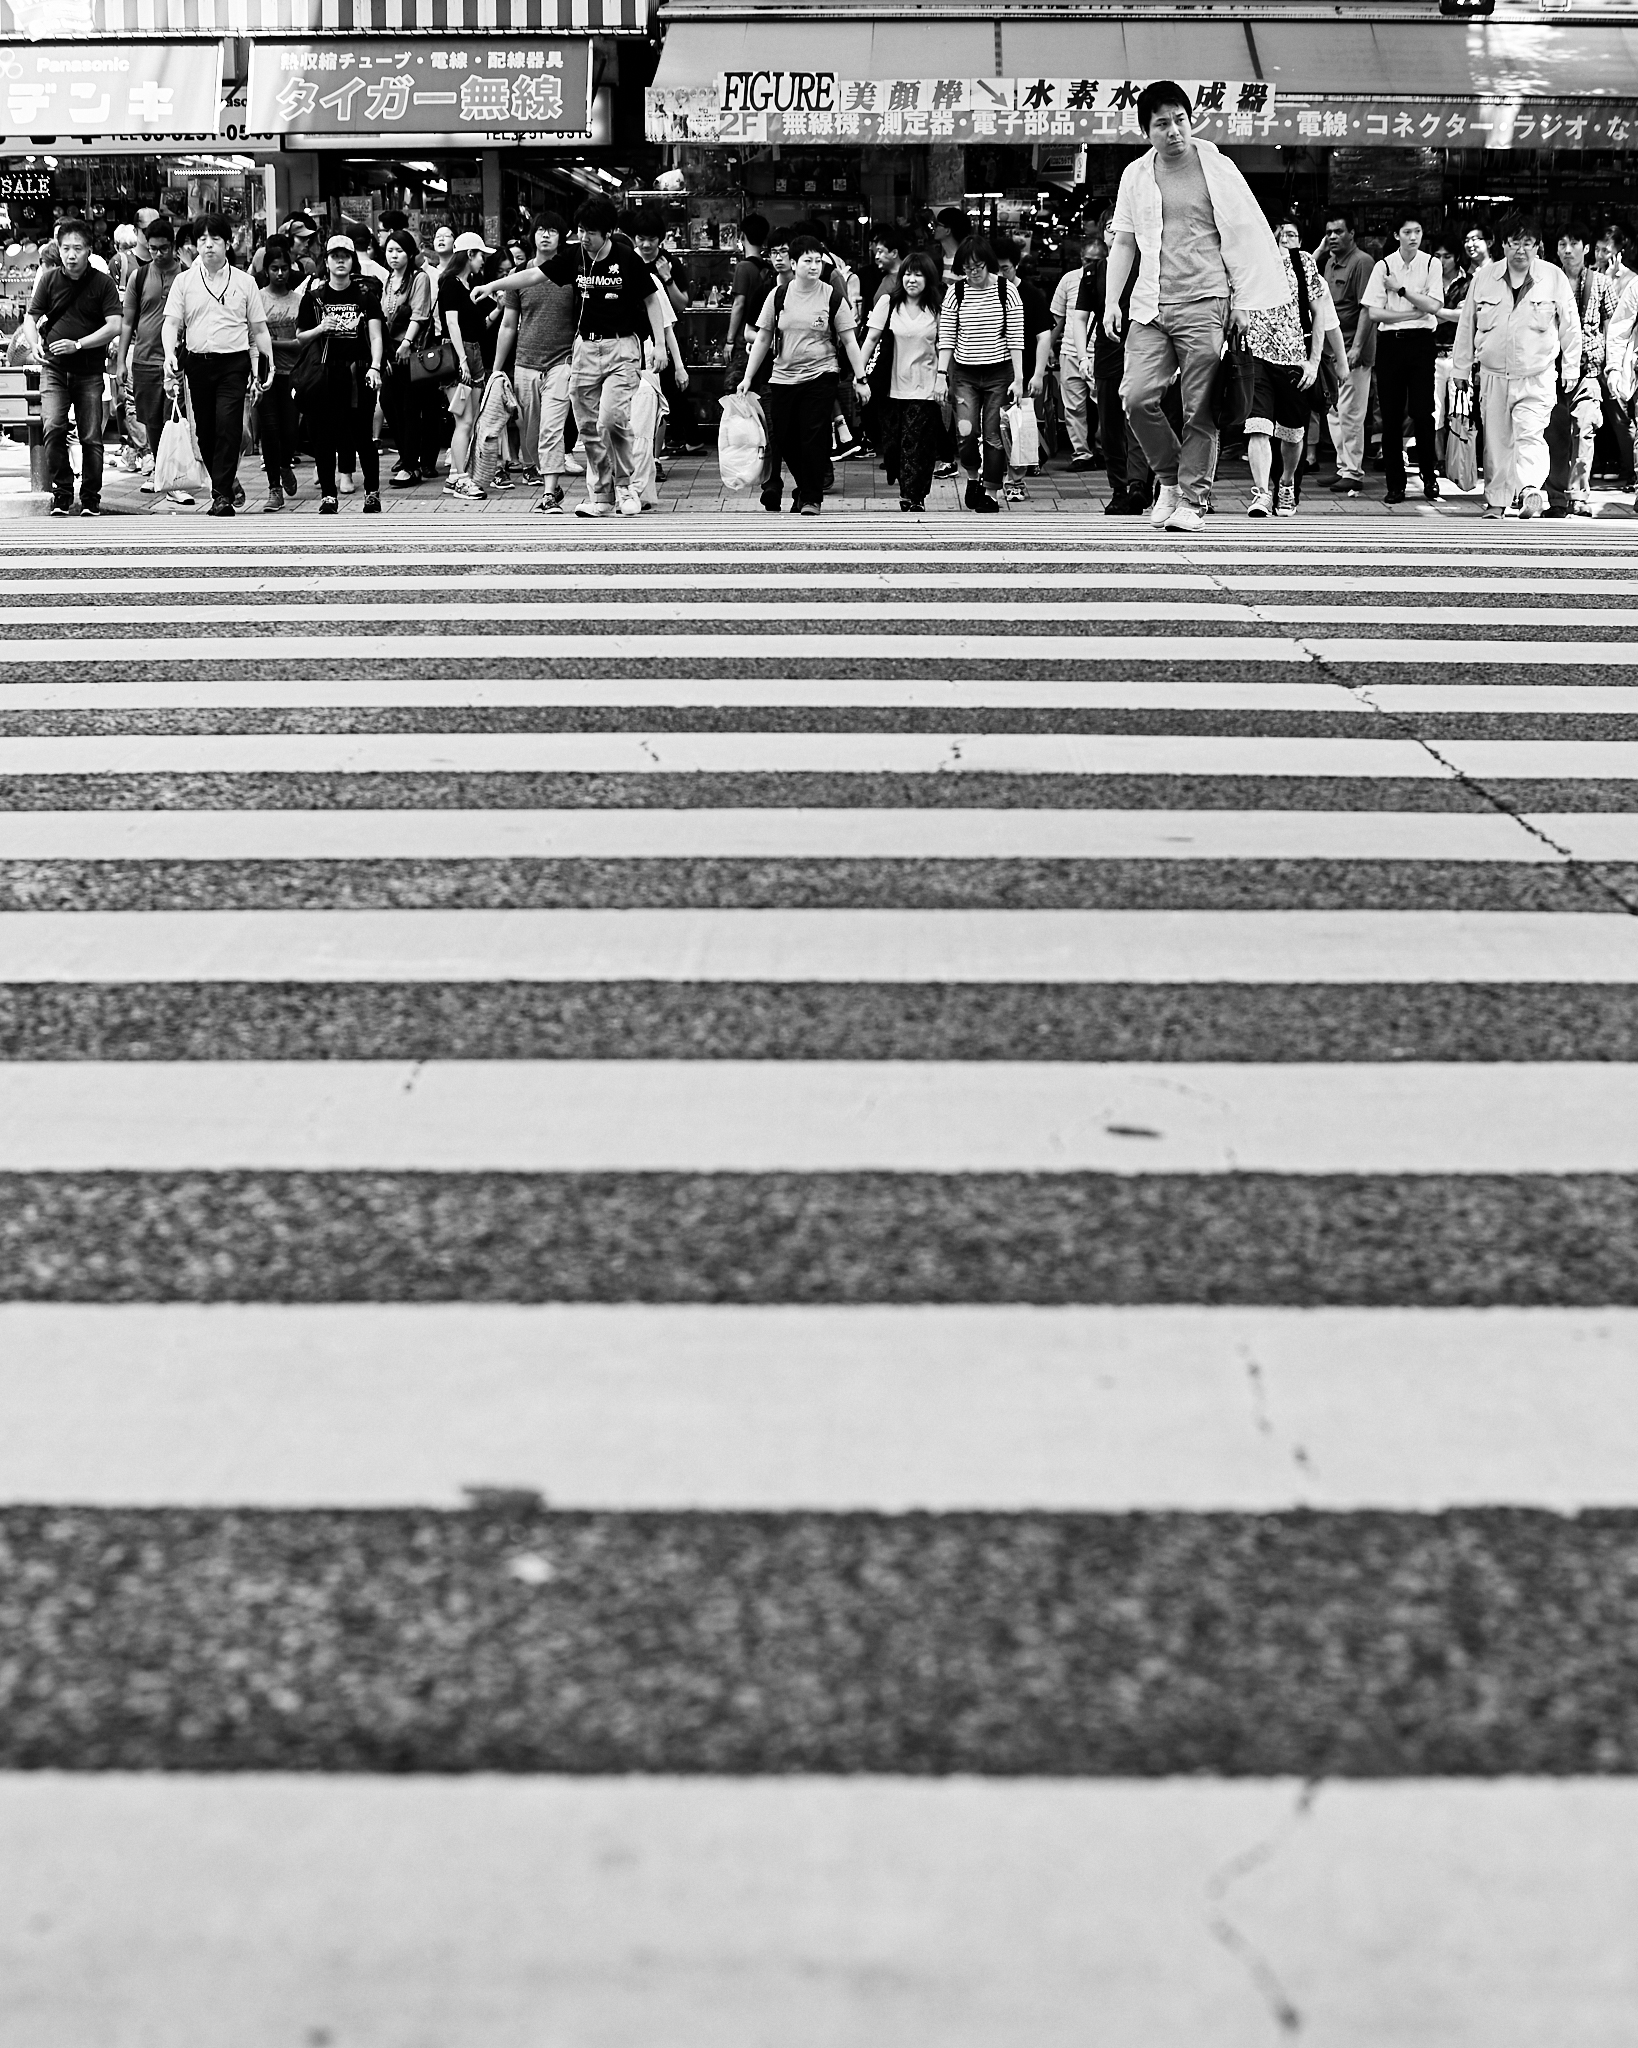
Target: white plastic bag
x=177, y=466
x=742, y=442
x=646, y=408
x=1023, y=435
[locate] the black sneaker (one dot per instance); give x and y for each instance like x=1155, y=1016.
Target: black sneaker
x=287, y=481
x=1083, y=462
x=220, y=508
x=1430, y=489
x=1394, y=498
x=62, y=510
x=986, y=503
x=974, y=493
x=329, y=505
x=372, y=502
x=90, y=511
x=238, y=494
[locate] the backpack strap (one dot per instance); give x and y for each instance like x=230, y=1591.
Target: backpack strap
x=1305, y=305
x=1001, y=293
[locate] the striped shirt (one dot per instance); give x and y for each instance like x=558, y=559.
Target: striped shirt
x=971, y=332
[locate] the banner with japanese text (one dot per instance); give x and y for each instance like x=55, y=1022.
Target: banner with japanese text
x=819, y=106
x=477, y=84
x=68, y=90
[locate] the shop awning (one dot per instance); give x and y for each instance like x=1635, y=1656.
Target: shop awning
x=1390, y=60
x=122, y=20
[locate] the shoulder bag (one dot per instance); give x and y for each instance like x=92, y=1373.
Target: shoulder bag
x=433, y=360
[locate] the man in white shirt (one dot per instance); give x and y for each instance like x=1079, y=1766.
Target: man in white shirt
x=1520, y=326
x=1209, y=261
x=1402, y=304
x=1074, y=372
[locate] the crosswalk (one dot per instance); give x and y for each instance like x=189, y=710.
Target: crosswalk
x=768, y=1284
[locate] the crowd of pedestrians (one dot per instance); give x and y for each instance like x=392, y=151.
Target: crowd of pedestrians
x=1185, y=320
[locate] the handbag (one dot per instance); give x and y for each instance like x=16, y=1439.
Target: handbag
x=434, y=360
x=1461, y=452
x=312, y=368
x=1231, y=389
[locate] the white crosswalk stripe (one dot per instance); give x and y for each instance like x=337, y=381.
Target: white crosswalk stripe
x=654, y=1184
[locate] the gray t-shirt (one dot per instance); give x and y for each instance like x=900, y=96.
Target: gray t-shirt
x=1191, y=253
x=545, y=324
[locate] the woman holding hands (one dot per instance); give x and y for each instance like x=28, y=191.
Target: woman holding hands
x=805, y=324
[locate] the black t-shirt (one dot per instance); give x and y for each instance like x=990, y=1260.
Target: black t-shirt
x=1037, y=315
x=352, y=310
x=753, y=280
x=65, y=311
x=453, y=297
x=1107, y=355
x=613, y=292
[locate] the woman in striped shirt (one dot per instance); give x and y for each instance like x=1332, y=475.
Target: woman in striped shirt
x=980, y=364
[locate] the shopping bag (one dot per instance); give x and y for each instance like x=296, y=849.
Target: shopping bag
x=1023, y=435
x=844, y=443
x=177, y=466
x=1231, y=392
x=1461, y=451
x=742, y=442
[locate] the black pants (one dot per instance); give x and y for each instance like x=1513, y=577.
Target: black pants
x=414, y=418
x=682, y=427
x=216, y=385
x=1617, y=428
x=1404, y=381
x=911, y=430
x=341, y=427
x=279, y=420
x=1124, y=462
x=799, y=438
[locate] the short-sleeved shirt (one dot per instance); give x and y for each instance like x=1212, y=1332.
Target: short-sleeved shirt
x=145, y=298
x=1275, y=333
x=453, y=297
x=281, y=309
x=812, y=315
x=215, y=316
x=402, y=308
x=65, y=311
x=752, y=282
x=545, y=324
x=1191, y=250
x=1037, y=319
x=613, y=292
x=1346, y=278
x=1422, y=275
x=915, y=349
x=352, y=309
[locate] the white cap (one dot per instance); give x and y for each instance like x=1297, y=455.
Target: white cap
x=471, y=240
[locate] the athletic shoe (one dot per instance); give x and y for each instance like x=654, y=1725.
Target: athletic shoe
x=1285, y=506
x=90, y=511
x=1165, y=505
x=287, y=481
x=329, y=504
x=1261, y=506
x=1494, y=511
x=810, y=511
x=1583, y=508
x=220, y=508
x=238, y=494
x=590, y=508
x=698, y=448
x=533, y=477
x=986, y=503
x=629, y=505
x=275, y=500
x=576, y=461
x=1430, y=489
x=1346, y=480
x=61, y=511
x=1185, y=518
x=146, y=487
x=1121, y=506
x=904, y=504
x=501, y=481
x=180, y=497
x=345, y=484
x=975, y=491
x=551, y=502
x=1083, y=462
x=946, y=469
x=1533, y=505
x=372, y=502
x=1014, y=493
x=403, y=479
x=1394, y=498
x=462, y=486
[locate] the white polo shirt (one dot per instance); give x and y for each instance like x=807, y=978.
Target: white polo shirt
x=1422, y=275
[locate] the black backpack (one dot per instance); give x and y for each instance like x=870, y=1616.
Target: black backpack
x=1001, y=285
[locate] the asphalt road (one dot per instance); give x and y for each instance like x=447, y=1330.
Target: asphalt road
x=903, y=1272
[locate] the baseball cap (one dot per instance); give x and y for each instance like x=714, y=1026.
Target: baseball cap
x=298, y=224
x=465, y=244
x=340, y=242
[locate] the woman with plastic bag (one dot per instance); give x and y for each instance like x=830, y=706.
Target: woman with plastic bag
x=905, y=322
x=802, y=325
x=345, y=310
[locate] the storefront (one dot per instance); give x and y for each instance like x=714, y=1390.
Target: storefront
x=842, y=120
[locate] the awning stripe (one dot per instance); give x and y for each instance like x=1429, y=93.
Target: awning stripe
x=134, y=19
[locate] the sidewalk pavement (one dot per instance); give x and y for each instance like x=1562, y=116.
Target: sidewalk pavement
x=692, y=485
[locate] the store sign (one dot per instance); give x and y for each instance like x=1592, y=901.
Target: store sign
x=474, y=85
x=139, y=89
x=747, y=107
x=25, y=185
x=1460, y=124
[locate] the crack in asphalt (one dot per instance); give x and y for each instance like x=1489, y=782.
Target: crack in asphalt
x=1273, y=1993
x=1406, y=729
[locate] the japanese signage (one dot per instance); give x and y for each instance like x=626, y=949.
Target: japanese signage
x=105, y=89
x=808, y=106
x=477, y=85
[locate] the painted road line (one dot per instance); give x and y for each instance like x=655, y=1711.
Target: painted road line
x=679, y=617
x=774, y=834
x=1135, y=693
x=990, y=947
x=692, y=1910
x=747, y=1117
x=774, y=1409
x=255, y=645
x=780, y=753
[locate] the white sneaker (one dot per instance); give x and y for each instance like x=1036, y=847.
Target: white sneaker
x=591, y=508
x=629, y=505
x=1286, y=508
x=345, y=484
x=1165, y=505
x=576, y=461
x=1186, y=518
x=459, y=486
x=1532, y=505
x=1261, y=506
